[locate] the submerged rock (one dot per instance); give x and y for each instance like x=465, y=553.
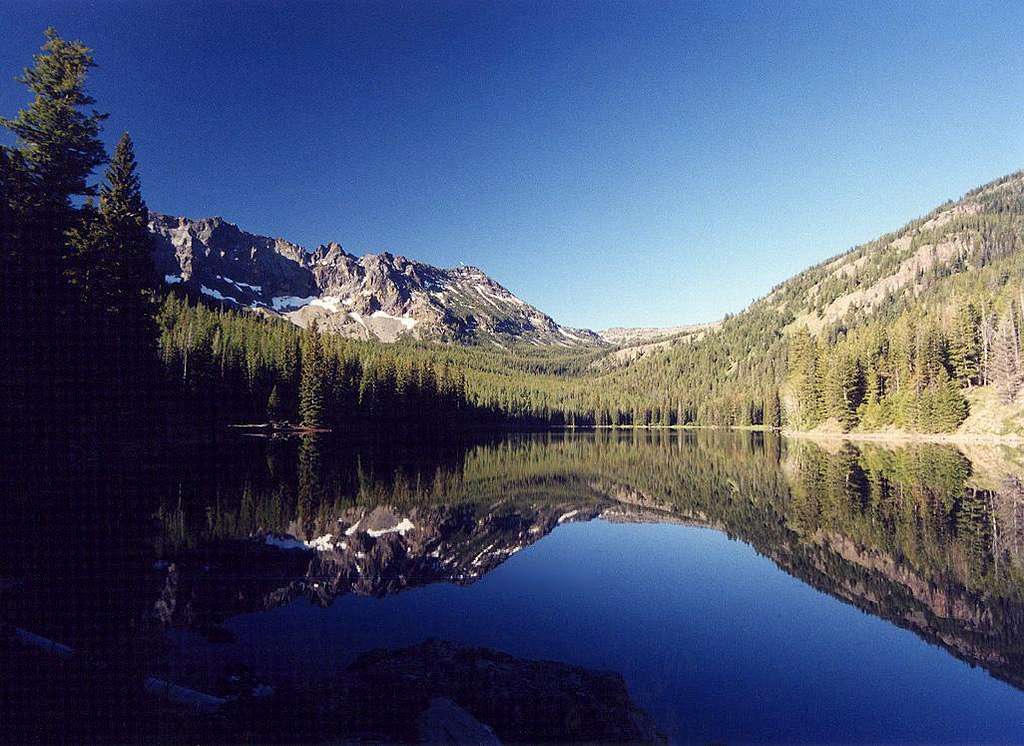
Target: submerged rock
x=445, y=722
x=441, y=692
x=449, y=689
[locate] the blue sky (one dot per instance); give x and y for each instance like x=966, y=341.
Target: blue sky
x=630, y=163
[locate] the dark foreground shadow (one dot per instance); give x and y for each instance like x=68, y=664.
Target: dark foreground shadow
x=435, y=692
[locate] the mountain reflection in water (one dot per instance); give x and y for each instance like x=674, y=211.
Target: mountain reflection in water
x=914, y=535
x=927, y=537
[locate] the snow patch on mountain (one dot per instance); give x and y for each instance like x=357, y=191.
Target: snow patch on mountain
x=216, y=294
x=331, y=302
x=242, y=285
x=405, y=321
x=402, y=527
x=323, y=543
x=291, y=302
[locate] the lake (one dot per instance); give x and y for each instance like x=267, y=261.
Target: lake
x=744, y=586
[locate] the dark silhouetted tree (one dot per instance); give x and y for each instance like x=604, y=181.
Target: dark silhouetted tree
x=56, y=151
x=276, y=411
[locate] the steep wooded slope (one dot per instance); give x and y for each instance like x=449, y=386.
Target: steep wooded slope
x=961, y=260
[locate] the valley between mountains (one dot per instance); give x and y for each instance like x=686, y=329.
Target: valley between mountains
x=917, y=331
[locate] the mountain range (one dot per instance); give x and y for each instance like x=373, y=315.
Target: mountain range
x=386, y=296
x=376, y=296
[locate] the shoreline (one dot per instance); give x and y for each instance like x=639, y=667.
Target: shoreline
x=908, y=437
x=897, y=436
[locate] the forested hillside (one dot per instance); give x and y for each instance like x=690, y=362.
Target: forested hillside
x=232, y=366
x=897, y=333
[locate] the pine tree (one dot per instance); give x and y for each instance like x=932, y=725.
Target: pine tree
x=110, y=265
x=988, y=333
x=929, y=355
x=312, y=388
x=59, y=142
x=844, y=390
x=1005, y=367
x=773, y=410
x=275, y=407
x=57, y=149
x=965, y=345
x=873, y=383
x=125, y=219
x=109, y=268
x=901, y=353
x=803, y=362
x=948, y=407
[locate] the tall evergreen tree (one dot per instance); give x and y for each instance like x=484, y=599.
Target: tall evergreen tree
x=110, y=271
x=57, y=149
x=125, y=218
x=275, y=407
x=948, y=408
x=929, y=355
x=1005, y=360
x=965, y=345
x=312, y=385
x=844, y=390
x=110, y=264
x=58, y=142
x=803, y=362
x=773, y=410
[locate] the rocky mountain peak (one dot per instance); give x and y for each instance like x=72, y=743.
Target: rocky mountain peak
x=382, y=296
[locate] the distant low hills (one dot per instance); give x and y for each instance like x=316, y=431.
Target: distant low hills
x=631, y=335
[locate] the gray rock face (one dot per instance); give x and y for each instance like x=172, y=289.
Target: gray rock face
x=376, y=296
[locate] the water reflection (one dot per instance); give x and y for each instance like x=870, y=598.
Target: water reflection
x=925, y=536
x=574, y=548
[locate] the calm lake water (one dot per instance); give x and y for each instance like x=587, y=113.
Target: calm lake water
x=747, y=588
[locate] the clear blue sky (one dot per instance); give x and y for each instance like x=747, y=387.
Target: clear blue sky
x=613, y=163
